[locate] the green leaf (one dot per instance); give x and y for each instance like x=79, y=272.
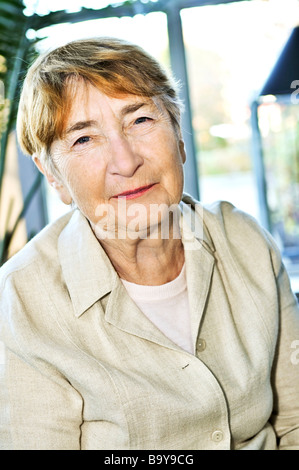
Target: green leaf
x=8, y=23
x=9, y=8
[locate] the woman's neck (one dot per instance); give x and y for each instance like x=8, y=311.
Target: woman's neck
x=146, y=261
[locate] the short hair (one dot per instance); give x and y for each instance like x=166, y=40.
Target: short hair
x=112, y=65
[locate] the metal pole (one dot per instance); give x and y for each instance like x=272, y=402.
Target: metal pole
x=179, y=69
x=259, y=168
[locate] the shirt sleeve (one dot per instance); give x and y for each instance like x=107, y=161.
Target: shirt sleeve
x=37, y=412
x=39, y=407
x=285, y=373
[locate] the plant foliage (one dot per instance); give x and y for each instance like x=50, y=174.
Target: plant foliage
x=16, y=51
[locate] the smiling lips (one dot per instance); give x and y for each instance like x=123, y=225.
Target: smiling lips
x=134, y=193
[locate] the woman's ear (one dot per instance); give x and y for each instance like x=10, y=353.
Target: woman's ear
x=59, y=187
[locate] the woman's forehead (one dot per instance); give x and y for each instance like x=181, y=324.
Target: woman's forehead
x=85, y=102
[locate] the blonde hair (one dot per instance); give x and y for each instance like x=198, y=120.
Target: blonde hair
x=112, y=65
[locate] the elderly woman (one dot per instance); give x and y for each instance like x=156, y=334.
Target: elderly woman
x=140, y=319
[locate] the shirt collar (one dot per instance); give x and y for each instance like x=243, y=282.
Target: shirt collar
x=192, y=225
x=87, y=271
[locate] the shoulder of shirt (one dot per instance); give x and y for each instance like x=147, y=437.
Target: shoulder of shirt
x=42, y=246
x=223, y=214
x=239, y=231
x=218, y=210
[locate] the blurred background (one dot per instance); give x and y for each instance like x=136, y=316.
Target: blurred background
x=238, y=62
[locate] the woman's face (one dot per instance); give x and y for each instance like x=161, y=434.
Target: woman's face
x=118, y=154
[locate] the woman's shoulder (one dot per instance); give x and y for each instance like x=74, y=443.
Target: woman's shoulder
x=238, y=227
x=231, y=229
x=225, y=217
x=41, y=246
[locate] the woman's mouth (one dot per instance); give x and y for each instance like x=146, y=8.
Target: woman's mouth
x=134, y=193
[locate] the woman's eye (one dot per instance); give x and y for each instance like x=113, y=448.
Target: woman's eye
x=142, y=120
x=82, y=140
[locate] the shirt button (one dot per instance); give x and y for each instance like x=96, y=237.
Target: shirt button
x=201, y=345
x=217, y=436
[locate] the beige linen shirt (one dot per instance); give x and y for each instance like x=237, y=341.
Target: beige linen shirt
x=85, y=369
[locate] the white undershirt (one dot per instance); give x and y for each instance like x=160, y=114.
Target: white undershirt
x=167, y=307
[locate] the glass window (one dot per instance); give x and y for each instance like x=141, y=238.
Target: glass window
x=279, y=128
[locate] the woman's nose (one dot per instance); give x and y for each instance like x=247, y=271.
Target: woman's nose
x=124, y=160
